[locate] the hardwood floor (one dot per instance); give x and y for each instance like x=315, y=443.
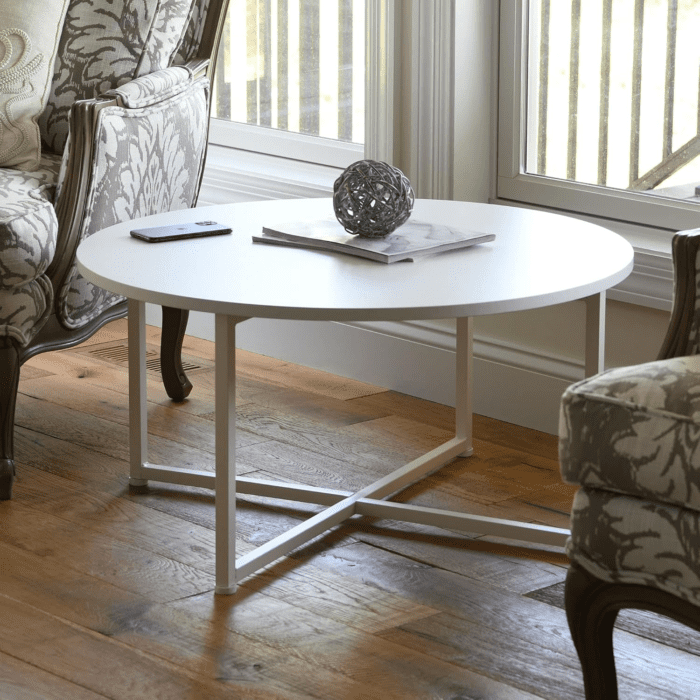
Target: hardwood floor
x=108, y=594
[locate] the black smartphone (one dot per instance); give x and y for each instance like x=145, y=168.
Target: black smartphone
x=175, y=232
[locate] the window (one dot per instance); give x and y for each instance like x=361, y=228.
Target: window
x=291, y=76
x=599, y=105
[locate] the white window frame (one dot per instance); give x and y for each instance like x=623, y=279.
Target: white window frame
x=402, y=126
x=283, y=144
x=278, y=143
x=647, y=221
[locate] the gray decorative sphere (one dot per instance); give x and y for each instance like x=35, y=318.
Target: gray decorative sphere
x=372, y=198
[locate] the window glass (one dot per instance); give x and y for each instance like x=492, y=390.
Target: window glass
x=294, y=65
x=613, y=91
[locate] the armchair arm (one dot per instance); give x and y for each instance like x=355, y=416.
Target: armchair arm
x=135, y=152
x=156, y=87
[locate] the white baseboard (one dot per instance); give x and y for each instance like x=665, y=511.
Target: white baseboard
x=511, y=383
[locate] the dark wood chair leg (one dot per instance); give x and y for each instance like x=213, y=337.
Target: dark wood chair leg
x=591, y=621
x=592, y=606
x=9, y=381
x=176, y=383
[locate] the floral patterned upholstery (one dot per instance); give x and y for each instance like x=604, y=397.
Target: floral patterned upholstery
x=28, y=232
x=104, y=44
x=624, y=539
x=631, y=438
x=150, y=163
x=636, y=430
x=192, y=39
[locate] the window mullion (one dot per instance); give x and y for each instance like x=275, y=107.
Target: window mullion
x=381, y=80
x=410, y=102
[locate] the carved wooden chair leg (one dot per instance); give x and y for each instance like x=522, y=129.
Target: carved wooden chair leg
x=591, y=620
x=9, y=381
x=176, y=383
x=591, y=608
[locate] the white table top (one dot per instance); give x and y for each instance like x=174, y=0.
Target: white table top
x=537, y=259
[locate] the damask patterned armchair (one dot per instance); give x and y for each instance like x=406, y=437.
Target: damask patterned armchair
x=630, y=437
x=123, y=135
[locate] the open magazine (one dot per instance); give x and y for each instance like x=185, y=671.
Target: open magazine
x=413, y=239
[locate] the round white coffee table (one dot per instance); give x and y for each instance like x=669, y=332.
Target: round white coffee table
x=537, y=259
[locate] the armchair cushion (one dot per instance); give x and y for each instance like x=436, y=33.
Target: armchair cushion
x=28, y=225
x=624, y=539
x=636, y=431
x=29, y=36
x=28, y=230
x=106, y=43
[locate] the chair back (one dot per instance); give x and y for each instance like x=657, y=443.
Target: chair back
x=106, y=43
x=683, y=334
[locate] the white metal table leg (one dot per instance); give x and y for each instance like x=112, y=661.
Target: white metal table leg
x=595, y=334
x=463, y=383
x=341, y=505
x=225, y=422
x=138, y=418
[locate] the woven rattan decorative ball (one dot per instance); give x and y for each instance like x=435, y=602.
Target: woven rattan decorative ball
x=372, y=198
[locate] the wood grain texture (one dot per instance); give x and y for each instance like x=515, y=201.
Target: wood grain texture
x=22, y=681
x=640, y=622
x=109, y=594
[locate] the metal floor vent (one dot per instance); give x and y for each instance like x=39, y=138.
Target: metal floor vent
x=119, y=354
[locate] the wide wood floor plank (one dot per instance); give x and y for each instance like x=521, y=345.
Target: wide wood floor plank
x=162, y=522
x=23, y=681
x=646, y=670
x=514, y=568
x=194, y=640
x=107, y=436
x=352, y=652
x=82, y=369
x=441, y=416
x=127, y=520
x=336, y=596
x=112, y=406
x=90, y=553
x=306, y=465
x=109, y=667
x=115, y=330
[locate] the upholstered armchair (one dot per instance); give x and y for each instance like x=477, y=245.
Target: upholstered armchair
x=630, y=437
x=121, y=96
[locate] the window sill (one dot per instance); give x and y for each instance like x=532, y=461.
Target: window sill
x=285, y=144
x=236, y=175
